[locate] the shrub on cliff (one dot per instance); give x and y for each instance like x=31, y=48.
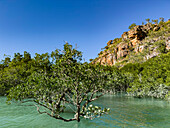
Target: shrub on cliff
x=132, y=26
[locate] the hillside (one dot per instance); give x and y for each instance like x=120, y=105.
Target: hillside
x=139, y=44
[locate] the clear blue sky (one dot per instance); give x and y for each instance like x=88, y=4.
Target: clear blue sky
x=40, y=26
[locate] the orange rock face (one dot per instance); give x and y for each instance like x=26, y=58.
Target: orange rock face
x=131, y=41
x=109, y=59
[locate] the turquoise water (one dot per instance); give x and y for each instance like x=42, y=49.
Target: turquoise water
x=125, y=112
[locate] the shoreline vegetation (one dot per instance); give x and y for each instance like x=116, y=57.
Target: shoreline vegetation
x=60, y=79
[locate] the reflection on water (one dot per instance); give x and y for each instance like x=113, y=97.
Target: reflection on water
x=125, y=112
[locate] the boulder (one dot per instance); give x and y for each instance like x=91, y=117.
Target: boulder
x=109, y=59
x=103, y=60
x=125, y=36
x=156, y=28
x=110, y=42
x=137, y=33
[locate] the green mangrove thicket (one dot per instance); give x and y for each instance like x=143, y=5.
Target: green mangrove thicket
x=59, y=81
x=151, y=78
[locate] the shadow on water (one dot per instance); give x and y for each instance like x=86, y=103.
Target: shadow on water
x=125, y=112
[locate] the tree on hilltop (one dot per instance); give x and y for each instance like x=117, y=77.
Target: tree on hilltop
x=132, y=26
x=148, y=20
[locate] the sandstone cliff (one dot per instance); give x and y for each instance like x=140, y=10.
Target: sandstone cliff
x=137, y=45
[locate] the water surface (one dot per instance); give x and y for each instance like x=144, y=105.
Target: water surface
x=125, y=112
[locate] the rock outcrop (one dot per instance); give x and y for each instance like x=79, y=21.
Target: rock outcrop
x=134, y=41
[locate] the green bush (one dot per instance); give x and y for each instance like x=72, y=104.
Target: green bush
x=132, y=26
